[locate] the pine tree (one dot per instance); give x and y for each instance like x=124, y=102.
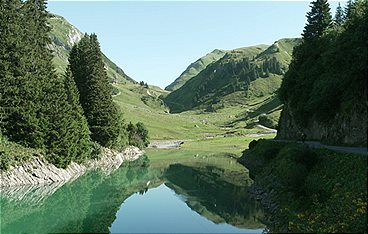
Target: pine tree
x=319, y=19
x=20, y=81
x=68, y=135
x=88, y=70
x=138, y=135
x=339, y=16
x=78, y=123
x=143, y=133
x=38, y=113
x=349, y=9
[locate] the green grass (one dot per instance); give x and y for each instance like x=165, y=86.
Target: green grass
x=314, y=190
x=282, y=50
x=186, y=125
x=12, y=154
x=160, y=123
x=227, y=82
x=195, y=68
x=219, y=151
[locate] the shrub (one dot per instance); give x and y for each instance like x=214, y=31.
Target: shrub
x=252, y=144
x=138, y=135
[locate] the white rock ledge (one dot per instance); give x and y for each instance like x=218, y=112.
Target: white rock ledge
x=39, y=171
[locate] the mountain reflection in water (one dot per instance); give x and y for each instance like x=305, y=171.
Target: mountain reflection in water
x=179, y=198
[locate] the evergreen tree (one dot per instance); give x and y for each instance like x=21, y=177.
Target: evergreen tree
x=138, y=135
x=349, y=9
x=78, y=123
x=330, y=76
x=20, y=89
x=339, y=16
x=319, y=19
x=88, y=70
x=68, y=135
x=267, y=72
x=36, y=109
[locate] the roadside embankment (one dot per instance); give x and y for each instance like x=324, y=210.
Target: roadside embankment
x=304, y=189
x=38, y=171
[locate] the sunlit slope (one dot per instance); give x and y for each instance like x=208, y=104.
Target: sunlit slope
x=194, y=68
x=242, y=76
x=251, y=71
x=63, y=36
x=141, y=104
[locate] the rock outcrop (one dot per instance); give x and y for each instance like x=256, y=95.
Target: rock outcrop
x=343, y=129
x=39, y=171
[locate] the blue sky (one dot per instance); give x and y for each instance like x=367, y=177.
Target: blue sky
x=156, y=41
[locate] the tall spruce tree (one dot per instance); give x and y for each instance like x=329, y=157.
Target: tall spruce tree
x=19, y=66
x=81, y=134
x=89, y=73
x=349, y=9
x=34, y=101
x=318, y=20
x=339, y=16
x=68, y=134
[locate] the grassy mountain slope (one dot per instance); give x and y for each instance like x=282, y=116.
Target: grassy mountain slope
x=144, y=104
x=224, y=86
x=282, y=50
x=138, y=103
x=195, y=68
x=63, y=36
x=211, y=88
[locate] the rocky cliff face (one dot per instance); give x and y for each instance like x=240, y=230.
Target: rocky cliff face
x=39, y=171
x=347, y=129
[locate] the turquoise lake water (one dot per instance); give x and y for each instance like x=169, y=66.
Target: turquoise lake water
x=177, y=199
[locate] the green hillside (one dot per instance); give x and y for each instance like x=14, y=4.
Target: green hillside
x=282, y=50
x=195, y=68
x=241, y=75
x=139, y=103
x=63, y=36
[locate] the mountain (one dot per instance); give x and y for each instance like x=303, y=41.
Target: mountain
x=194, y=68
x=239, y=76
x=135, y=100
x=207, y=189
x=282, y=50
x=63, y=36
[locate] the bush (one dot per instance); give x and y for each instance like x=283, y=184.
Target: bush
x=252, y=144
x=267, y=121
x=12, y=154
x=314, y=190
x=290, y=172
x=138, y=135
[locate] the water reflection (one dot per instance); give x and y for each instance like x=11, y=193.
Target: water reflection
x=91, y=203
x=214, y=193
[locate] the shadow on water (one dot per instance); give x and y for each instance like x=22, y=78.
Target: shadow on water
x=210, y=192
x=90, y=203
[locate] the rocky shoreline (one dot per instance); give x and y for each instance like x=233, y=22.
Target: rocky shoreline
x=39, y=171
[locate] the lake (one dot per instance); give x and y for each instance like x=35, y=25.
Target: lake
x=199, y=197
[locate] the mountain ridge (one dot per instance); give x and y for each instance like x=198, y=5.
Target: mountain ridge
x=194, y=68
x=63, y=36
x=233, y=73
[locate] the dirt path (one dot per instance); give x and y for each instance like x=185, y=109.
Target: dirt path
x=343, y=149
x=266, y=128
x=258, y=134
